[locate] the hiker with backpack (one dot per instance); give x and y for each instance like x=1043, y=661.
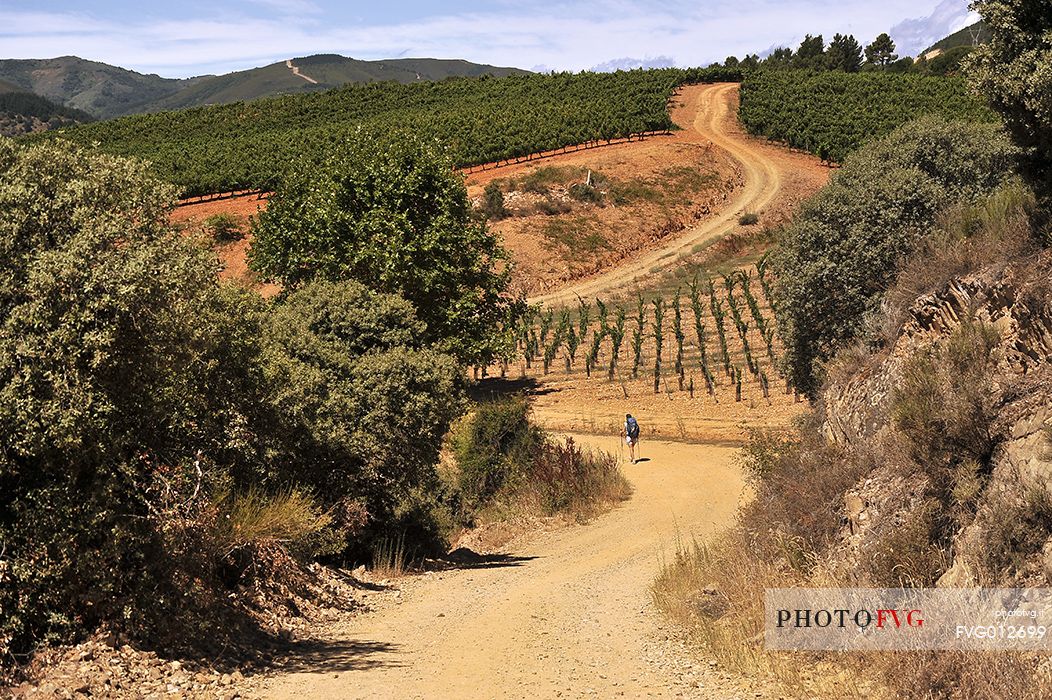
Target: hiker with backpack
x=631, y=435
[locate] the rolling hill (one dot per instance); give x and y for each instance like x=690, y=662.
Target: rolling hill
x=106, y=91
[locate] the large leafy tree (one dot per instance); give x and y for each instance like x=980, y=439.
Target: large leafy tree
x=121, y=367
x=844, y=53
x=393, y=214
x=882, y=51
x=1014, y=70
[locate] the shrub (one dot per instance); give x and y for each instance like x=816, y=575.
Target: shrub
x=493, y=447
x=1014, y=71
x=748, y=219
x=582, y=192
x=224, y=227
x=506, y=463
x=799, y=479
x=945, y=404
x=844, y=248
x=124, y=379
x=364, y=406
x=493, y=202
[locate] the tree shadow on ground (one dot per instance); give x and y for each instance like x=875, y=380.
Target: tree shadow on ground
x=336, y=656
x=464, y=558
x=492, y=388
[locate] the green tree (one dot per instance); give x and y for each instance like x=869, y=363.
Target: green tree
x=811, y=53
x=844, y=53
x=126, y=375
x=1014, y=71
x=882, y=51
x=394, y=215
x=493, y=202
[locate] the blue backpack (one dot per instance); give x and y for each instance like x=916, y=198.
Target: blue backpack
x=632, y=427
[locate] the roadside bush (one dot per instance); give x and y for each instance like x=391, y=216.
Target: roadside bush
x=507, y=463
x=799, y=481
x=844, y=248
x=493, y=448
x=364, y=404
x=1016, y=524
x=748, y=219
x=122, y=380
x=946, y=403
x=165, y=436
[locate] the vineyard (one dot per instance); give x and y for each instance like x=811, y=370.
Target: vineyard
x=248, y=145
x=712, y=341
x=831, y=114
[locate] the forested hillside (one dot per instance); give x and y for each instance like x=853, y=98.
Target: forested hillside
x=24, y=112
x=247, y=145
x=832, y=113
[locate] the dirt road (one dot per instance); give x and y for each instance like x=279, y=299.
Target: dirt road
x=566, y=614
x=715, y=121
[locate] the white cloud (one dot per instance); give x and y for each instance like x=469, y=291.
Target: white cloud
x=631, y=63
x=556, y=35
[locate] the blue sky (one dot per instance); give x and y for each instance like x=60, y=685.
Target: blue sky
x=193, y=37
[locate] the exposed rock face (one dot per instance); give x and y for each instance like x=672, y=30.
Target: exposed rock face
x=1016, y=300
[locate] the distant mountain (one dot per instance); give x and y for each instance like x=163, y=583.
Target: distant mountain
x=320, y=72
x=106, y=91
x=99, y=89
x=23, y=112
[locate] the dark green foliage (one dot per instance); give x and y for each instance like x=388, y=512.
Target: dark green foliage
x=256, y=144
x=365, y=405
x=844, y=54
x=145, y=410
x=718, y=316
x=844, y=248
x=659, y=314
x=224, y=227
x=393, y=215
x=493, y=446
x=810, y=54
x=882, y=51
x=1014, y=71
x=677, y=333
x=832, y=114
x=493, y=202
x=507, y=462
x=122, y=372
x=637, y=335
x=617, y=336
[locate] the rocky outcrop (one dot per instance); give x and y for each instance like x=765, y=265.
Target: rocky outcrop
x=1016, y=300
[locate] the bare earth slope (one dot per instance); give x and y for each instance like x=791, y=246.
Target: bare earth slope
x=762, y=172
x=567, y=616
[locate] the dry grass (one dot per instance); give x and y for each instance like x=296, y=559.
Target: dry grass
x=255, y=519
x=390, y=558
